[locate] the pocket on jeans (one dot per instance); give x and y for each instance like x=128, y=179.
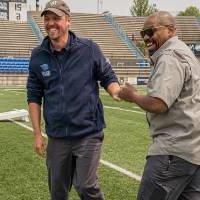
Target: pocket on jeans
x=178, y=167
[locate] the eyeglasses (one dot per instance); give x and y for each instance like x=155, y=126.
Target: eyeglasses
x=150, y=31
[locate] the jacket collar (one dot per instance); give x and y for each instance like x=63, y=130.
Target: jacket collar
x=72, y=42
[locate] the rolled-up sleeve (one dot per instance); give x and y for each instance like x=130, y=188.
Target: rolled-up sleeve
x=34, y=86
x=167, y=79
x=102, y=67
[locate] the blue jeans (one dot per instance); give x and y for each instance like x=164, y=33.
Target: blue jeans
x=169, y=178
x=74, y=162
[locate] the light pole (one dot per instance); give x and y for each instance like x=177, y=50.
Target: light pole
x=98, y=2
x=99, y=6
x=37, y=5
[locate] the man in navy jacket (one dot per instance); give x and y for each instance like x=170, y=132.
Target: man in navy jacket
x=64, y=73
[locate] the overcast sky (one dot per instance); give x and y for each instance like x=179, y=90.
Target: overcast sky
x=121, y=7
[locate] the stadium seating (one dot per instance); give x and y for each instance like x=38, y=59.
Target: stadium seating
x=14, y=65
x=16, y=39
x=95, y=27
x=188, y=28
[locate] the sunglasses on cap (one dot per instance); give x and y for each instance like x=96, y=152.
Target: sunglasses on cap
x=151, y=30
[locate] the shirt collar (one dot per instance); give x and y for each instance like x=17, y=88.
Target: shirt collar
x=165, y=46
x=66, y=45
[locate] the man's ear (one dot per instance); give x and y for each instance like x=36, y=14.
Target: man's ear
x=68, y=18
x=172, y=29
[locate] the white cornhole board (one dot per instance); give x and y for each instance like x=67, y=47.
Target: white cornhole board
x=21, y=115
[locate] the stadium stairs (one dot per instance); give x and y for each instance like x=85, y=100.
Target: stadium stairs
x=188, y=29
x=122, y=34
x=17, y=41
x=94, y=26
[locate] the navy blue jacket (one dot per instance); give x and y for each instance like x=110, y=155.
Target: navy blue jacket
x=70, y=91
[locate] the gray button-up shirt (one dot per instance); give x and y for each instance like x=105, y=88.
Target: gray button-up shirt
x=175, y=79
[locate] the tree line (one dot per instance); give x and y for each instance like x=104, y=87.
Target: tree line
x=143, y=8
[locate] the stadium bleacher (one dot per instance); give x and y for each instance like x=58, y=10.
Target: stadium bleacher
x=14, y=65
x=95, y=27
x=188, y=28
x=17, y=40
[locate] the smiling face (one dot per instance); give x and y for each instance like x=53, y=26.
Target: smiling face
x=56, y=27
x=156, y=32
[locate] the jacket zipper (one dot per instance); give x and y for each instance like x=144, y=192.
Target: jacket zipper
x=61, y=81
x=62, y=93
x=61, y=85
x=60, y=72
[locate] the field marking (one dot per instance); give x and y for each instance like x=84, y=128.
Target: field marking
x=121, y=170
x=26, y=127
x=104, y=94
x=122, y=109
x=136, y=107
x=13, y=89
x=16, y=91
x=104, y=162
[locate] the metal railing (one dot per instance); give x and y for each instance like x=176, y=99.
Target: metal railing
x=122, y=34
x=198, y=20
x=35, y=28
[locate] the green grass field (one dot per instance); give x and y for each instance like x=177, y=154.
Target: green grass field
x=23, y=174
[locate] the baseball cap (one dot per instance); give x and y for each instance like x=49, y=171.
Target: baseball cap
x=58, y=7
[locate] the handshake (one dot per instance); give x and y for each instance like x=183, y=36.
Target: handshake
x=126, y=92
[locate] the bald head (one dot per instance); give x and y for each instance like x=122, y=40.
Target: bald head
x=158, y=28
x=162, y=18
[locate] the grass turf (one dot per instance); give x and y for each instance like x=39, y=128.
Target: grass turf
x=23, y=174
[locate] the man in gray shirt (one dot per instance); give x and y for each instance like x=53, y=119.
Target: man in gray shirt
x=172, y=102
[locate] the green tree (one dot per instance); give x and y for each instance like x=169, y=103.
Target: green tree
x=142, y=8
x=190, y=11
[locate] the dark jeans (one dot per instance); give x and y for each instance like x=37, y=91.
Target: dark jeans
x=169, y=178
x=74, y=162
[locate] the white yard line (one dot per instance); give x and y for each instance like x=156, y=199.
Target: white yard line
x=104, y=162
x=14, y=89
x=136, y=107
x=26, y=127
x=122, y=109
x=104, y=94
x=121, y=170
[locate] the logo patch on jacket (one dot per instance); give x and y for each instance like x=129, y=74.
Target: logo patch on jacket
x=45, y=70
